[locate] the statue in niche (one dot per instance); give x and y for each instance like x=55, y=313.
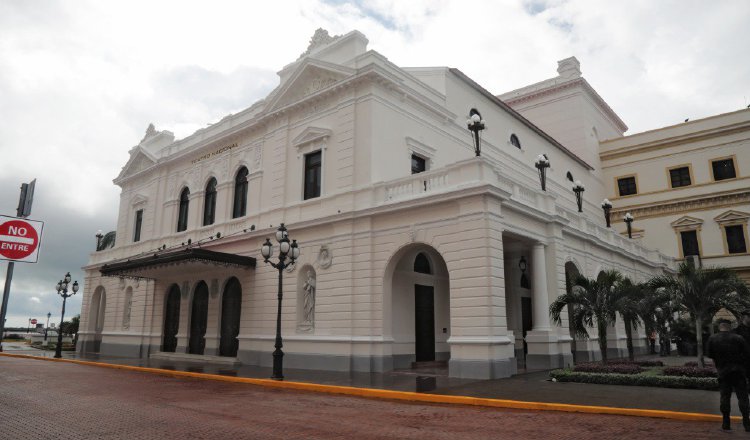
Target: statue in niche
x=128, y=306
x=309, y=299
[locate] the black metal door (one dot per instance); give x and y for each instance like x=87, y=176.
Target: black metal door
x=199, y=319
x=171, y=320
x=231, y=305
x=424, y=322
x=526, y=320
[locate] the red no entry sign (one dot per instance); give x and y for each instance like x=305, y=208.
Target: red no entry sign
x=20, y=239
x=33, y=322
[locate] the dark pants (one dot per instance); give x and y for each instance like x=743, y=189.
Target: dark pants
x=734, y=381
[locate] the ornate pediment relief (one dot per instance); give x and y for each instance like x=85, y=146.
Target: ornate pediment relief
x=310, y=77
x=139, y=160
x=138, y=199
x=310, y=135
x=732, y=216
x=687, y=222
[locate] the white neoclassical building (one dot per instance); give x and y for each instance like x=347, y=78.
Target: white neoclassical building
x=413, y=249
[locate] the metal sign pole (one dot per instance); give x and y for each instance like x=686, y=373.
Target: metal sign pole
x=23, y=211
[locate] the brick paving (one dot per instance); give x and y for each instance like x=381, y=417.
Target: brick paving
x=46, y=400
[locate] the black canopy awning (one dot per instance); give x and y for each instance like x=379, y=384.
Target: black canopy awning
x=149, y=266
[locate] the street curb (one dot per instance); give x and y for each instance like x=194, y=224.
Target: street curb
x=402, y=395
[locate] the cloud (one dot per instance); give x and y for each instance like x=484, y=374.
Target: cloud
x=35, y=300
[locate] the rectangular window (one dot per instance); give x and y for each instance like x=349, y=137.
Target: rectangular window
x=626, y=186
x=723, y=169
x=418, y=164
x=689, y=243
x=680, y=177
x=736, y=239
x=313, y=167
x=138, y=222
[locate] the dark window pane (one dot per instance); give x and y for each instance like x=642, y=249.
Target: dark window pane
x=680, y=177
x=626, y=186
x=422, y=264
x=182, y=218
x=736, y=239
x=313, y=162
x=418, y=164
x=689, y=243
x=138, y=222
x=723, y=169
x=515, y=141
x=209, y=207
x=239, y=208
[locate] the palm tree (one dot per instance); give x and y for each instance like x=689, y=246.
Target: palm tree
x=655, y=310
x=702, y=292
x=591, y=300
x=627, y=299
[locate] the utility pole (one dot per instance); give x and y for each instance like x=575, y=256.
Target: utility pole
x=23, y=211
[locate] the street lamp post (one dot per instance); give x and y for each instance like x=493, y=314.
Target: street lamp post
x=628, y=219
x=62, y=290
x=475, y=124
x=287, y=251
x=607, y=207
x=579, y=189
x=46, y=328
x=541, y=164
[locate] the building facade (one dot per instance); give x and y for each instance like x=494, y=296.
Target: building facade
x=413, y=248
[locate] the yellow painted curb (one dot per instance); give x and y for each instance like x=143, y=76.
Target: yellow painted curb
x=402, y=395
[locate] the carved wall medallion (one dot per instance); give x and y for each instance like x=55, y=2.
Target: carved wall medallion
x=325, y=257
x=214, y=288
x=185, y=291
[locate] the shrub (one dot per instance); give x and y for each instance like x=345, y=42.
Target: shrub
x=696, y=364
x=639, y=363
x=698, y=383
x=610, y=368
x=690, y=371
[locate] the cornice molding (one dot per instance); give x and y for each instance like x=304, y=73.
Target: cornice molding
x=685, y=206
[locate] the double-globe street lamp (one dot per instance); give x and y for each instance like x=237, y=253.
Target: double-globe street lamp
x=579, y=189
x=475, y=124
x=62, y=290
x=628, y=219
x=607, y=208
x=46, y=328
x=288, y=254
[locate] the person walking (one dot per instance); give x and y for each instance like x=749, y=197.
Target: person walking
x=730, y=353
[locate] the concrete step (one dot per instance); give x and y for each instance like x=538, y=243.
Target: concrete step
x=197, y=358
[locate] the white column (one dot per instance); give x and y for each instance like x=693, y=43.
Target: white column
x=540, y=295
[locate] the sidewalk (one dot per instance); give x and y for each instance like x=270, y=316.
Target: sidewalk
x=529, y=387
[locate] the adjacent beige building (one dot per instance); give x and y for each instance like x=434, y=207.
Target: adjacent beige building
x=688, y=187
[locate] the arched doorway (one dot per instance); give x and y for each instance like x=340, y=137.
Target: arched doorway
x=198, y=319
x=417, y=287
x=231, y=306
x=96, y=316
x=171, y=319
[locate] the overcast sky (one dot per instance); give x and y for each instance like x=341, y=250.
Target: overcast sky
x=81, y=80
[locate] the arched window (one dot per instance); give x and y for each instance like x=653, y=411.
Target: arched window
x=240, y=193
x=422, y=264
x=209, y=206
x=182, y=218
x=515, y=141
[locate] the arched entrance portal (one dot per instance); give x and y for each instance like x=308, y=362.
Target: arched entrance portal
x=171, y=319
x=231, y=305
x=199, y=319
x=420, y=306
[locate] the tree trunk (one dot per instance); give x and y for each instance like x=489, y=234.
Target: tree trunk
x=699, y=341
x=629, y=339
x=602, y=327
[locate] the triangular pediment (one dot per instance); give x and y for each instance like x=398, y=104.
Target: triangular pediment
x=732, y=216
x=310, y=134
x=686, y=222
x=140, y=159
x=310, y=77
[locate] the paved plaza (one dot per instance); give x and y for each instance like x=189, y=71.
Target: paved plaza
x=52, y=400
